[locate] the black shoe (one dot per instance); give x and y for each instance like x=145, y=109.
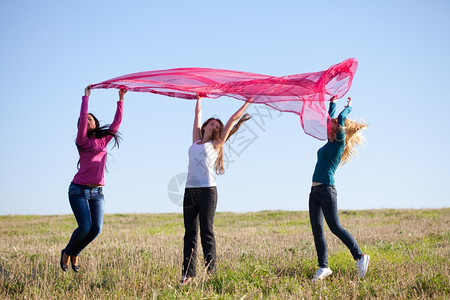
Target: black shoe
x=76, y=268
x=63, y=266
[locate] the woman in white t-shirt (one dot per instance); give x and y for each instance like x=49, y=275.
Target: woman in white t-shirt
x=200, y=196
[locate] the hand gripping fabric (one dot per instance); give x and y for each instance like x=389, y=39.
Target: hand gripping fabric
x=302, y=94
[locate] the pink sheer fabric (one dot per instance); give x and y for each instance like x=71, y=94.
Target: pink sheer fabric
x=301, y=94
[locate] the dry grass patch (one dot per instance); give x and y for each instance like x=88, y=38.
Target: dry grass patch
x=266, y=255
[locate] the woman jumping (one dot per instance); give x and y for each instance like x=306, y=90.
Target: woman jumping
x=342, y=136
x=85, y=191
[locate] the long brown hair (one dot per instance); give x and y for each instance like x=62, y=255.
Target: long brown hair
x=218, y=164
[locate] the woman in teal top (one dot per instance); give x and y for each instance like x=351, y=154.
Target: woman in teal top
x=343, y=134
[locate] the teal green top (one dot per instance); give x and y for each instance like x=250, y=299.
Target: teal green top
x=329, y=156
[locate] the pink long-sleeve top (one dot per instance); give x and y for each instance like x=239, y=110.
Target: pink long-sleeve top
x=93, y=150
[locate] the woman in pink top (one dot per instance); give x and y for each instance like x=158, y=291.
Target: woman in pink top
x=85, y=191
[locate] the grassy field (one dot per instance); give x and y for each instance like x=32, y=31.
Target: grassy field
x=267, y=255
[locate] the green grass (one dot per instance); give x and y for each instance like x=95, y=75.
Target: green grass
x=263, y=255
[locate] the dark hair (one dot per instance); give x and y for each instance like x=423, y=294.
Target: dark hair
x=100, y=132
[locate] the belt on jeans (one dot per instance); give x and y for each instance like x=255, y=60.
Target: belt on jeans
x=321, y=187
x=86, y=187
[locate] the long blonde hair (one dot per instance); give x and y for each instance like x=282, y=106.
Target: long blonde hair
x=218, y=164
x=353, y=137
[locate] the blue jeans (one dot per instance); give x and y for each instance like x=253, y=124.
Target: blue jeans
x=323, y=202
x=199, y=206
x=87, y=206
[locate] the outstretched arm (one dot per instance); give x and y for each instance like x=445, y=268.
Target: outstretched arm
x=122, y=94
x=118, y=117
x=349, y=101
x=217, y=143
x=83, y=122
x=340, y=135
x=332, y=108
x=196, y=133
x=87, y=91
x=343, y=115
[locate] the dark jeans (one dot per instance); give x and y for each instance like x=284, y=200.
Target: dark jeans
x=199, y=205
x=87, y=206
x=323, y=202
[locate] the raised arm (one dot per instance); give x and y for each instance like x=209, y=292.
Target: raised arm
x=217, y=143
x=122, y=94
x=340, y=135
x=332, y=109
x=119, y=111
x=196, y=132
x=343, y=115
x=83, y=121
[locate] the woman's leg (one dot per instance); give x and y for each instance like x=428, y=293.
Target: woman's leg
x=190, y=215
x=208, y=204
x=316, y=220
x=328, y=202
x=80, y=207
x=96, y=207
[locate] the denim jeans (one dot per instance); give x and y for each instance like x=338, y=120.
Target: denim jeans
x=199, y=205
x=87, y=206
x=323, y=202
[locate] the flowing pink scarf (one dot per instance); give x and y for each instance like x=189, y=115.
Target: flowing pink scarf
x=301, y=94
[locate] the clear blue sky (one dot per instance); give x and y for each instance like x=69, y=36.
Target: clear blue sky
x=50, y=50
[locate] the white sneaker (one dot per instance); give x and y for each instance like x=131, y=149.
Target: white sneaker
x=362, y=265
x=185, y=280
x=321, y=274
